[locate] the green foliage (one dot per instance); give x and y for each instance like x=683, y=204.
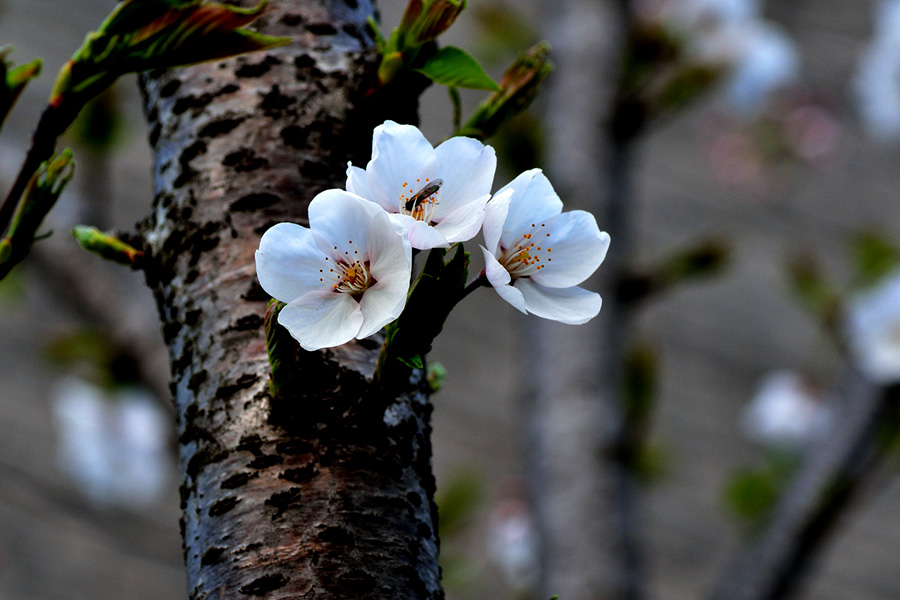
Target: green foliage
x=651, y=463
x=98, y=126
x=457, y=499
x=518, y=88
x=40, y=195
x=702, y=259
x=95, y=355
x=14, y=80
x=874, y=257
x=283, y=351
x=431, y=298
x=108, y=246
x=436, y=375
x=752, y=494
x=814, y=292
x=640, y=385
x=454, y=68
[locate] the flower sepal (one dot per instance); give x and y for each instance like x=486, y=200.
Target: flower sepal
x=433, y=295
x=283, y=352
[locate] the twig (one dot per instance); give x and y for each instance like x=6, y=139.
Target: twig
x=771, y=565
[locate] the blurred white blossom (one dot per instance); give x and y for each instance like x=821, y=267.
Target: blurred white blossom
x=112, y=444
x=759, y=58
x=513, y=543
x=786, y=412
x=873, y=330
x=877, y=80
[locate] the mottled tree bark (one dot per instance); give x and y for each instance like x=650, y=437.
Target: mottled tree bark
x=328, y=495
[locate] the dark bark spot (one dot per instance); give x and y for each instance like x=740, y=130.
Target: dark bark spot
x=301, y=474
x=191, y=317
x=323, y=28
x=315, y=171
x=423, y=531
x=244, y=160
x=248, y=323
x=304, y=61
x=293, y=447
x=255, y=294
x=338, y=536
x=223, y=506
x=291, y=20
x=187, y=103
x=283, y=501
x=212, y=556
x=220, y=127
x=258, y=69
x=414, y=498
x=197, y=380
x=201, y=458
x=252, y=444
x=264, y=585
x=170, y=88
x=252, y=202
x=237, y=480
x=244, y=381
x=357, y=581
x=170, y=330
x=352, y=3
x=265, y=461
x=294, y=136
x=155, y=132
x=274, y=101
x=189, y=154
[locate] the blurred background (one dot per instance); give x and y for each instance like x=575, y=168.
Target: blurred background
x=788, y=165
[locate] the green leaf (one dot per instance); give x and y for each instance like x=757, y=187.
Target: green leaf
x=457, y=500
x=453, y=67
x=874, y=257
x=814, y=291
x=752, y=493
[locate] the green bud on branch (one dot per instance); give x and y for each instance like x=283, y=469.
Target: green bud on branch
x=41, y=193
x=108, y=246
x=14, y=80
x=518, y=88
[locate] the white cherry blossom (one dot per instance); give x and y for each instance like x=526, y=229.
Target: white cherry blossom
x=873, y=330
x=536, y=255
x=344, y=277
x=786, y=412
x=437, y=195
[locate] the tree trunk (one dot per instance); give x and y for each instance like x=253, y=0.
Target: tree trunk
x=328, y=495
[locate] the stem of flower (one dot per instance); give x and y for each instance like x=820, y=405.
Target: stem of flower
x=480, y=281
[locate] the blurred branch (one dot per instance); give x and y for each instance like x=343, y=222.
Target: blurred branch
x=92, y=296
x=772, y=564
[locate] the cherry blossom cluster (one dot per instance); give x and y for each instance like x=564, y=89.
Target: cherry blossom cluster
x=348, y=274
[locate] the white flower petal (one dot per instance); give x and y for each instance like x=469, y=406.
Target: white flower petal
x=575, y=248
x=400, y=154
x=423, y=236
x=288, y=262
x=358, y=182
x=341, y=219
x=322, y=319
x=500, y=279
x=467, y=167
x=383, y=302
x=463, y=224
x=533, y=201
x=571, y=305
x=494, y=217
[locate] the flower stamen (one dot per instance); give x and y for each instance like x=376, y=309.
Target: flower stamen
x=421, y=205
